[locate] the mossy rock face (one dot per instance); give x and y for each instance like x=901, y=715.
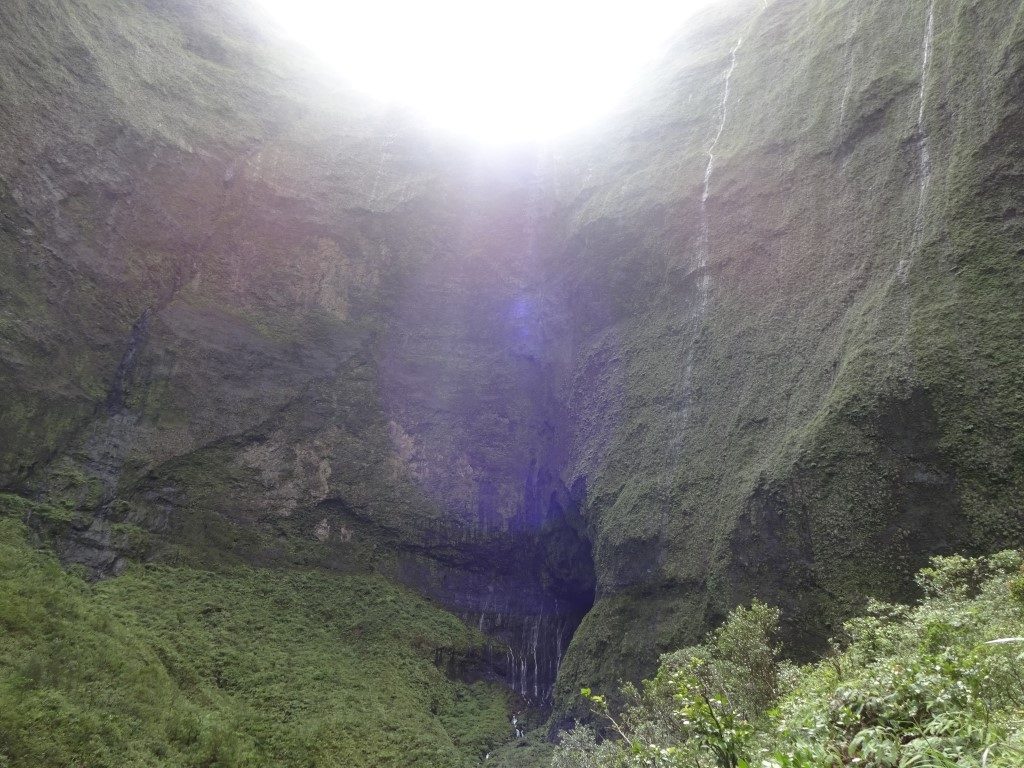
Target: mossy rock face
x=836, y=406
x=249, y=318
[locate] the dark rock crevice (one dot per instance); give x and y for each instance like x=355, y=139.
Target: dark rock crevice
x=126, y=367
x=528, y=589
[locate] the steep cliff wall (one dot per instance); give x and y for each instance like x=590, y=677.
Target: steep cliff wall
x=795, y=286
x=250, y=316
x=758, y=335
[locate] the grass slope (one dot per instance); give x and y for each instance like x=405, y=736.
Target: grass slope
x=169, y=666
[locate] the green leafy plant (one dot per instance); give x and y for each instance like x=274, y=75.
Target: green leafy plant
x=927, y=686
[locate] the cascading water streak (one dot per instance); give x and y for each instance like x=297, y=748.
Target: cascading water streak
x=851, y=69
x=704, y=242
x=536, y=665
x=724, y=109
x=534, y=651
x=845, y=100
x=923, y=149
x=704, y=245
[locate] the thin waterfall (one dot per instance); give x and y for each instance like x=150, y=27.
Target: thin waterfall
x=704, y=243
x=536, y=666
x=923, y=150
x=851, y=60
x=724, y=109
x=533, y=649
x=846, y=98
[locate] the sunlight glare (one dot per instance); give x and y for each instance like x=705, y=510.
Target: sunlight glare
x=497, y=71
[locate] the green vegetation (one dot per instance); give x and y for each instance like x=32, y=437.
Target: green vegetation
x=531, y=751
x=173, y=666
x=931, y=686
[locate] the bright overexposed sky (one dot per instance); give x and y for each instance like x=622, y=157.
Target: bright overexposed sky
x=495, y=70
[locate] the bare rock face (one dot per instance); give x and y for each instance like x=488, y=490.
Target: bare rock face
x=729, y=345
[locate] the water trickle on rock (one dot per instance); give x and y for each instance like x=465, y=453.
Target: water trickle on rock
x=724, y=109
x=534, y=653
x=704, y=243
x=851, y=61
x=924, y=152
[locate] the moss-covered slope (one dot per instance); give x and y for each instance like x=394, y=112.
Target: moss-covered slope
x=239, y=666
